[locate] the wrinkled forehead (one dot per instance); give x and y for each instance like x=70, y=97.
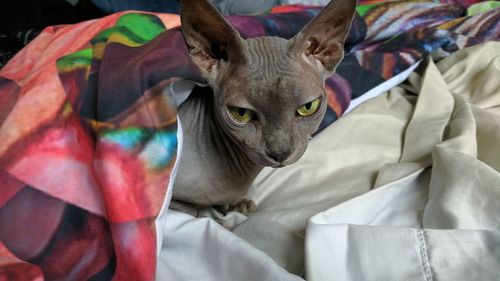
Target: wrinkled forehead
x=272, y=75
x=283, y=91
x=267, y=56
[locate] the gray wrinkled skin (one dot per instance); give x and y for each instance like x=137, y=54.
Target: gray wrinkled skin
x=270, y=76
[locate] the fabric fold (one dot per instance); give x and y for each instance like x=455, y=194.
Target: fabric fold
x=441, y=222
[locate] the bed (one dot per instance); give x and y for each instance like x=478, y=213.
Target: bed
x=400, y=183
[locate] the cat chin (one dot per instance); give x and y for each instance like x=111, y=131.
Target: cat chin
x=266, y=162
x=278, y=165
x=263, y=161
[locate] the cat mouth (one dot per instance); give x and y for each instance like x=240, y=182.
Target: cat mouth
x=275, y=164
x=268, y=162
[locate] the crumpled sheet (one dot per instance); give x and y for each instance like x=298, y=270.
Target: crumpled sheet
x=413, y=195
x=406, y=186
x=88, y=137
x=275, y=251
x=434, y=211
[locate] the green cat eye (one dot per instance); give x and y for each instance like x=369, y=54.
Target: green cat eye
x=309, y=108
x=240, y=114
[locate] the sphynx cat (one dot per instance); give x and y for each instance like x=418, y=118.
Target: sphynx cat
x=266, y=98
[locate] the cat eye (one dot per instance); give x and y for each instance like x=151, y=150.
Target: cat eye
x=240, y=115
x=309, y=108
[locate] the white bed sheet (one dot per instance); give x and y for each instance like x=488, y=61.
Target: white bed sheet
x=435, y=213
x=362, y=185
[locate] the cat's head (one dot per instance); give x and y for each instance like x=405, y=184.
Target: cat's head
x=269, y=92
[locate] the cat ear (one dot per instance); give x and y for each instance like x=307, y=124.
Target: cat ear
x=321, y=41
x=210, y=38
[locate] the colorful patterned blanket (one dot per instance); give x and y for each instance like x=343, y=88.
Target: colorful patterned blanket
x=88, y=136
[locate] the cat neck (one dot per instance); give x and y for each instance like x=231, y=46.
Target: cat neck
x=209, y=153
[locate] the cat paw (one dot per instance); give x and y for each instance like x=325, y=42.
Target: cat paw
x=244, y=206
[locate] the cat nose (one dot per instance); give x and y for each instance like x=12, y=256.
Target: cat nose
x=279, y=156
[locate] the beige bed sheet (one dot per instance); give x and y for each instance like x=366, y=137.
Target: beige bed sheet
x=405, y=187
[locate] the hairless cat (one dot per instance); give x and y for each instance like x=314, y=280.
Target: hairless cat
x=266, y=98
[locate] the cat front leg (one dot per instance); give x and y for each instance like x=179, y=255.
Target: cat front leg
x=244, y=206
x=184, y=207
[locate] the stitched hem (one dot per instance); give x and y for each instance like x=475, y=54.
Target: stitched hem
x=423, y=253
